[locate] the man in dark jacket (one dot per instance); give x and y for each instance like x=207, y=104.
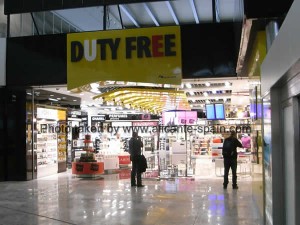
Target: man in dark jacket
x=135, y=150
x=230, y=158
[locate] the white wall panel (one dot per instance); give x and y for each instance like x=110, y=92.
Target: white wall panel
x=289, y=164
x=285, y=50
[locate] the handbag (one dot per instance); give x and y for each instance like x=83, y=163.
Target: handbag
x=142, y=164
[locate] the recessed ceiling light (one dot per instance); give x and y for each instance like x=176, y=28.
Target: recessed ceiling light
x=227, y=84
x=53, y=99
x=94, y=85
x=188, y=85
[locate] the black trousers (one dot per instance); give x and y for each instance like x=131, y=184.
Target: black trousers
x=136, y=176
x=230, y=163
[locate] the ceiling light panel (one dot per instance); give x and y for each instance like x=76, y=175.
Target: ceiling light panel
x=172, y=12
x=159, y=9
x=150, y=13
x=126, y=11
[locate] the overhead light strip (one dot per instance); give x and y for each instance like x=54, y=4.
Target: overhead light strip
x=129, y=15
x=53, y=99
x=172, y=12
x=151, y=14
x=194, y=11
x=217, y=11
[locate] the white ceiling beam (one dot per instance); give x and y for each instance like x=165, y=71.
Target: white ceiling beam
x=151, y=14
x=194, y=11
x=172, y=12
x=128, y=14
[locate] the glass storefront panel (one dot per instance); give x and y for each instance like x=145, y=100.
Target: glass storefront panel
x=267, y=159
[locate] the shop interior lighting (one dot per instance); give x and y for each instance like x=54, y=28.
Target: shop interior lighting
x=192, y=3
x=227, y=84
x=53, y=99
x=188, y=85
x=145, y=98
x=207, y=84
x=94, y=85
x=151, y=14
x=172, y=12
x=128, y=14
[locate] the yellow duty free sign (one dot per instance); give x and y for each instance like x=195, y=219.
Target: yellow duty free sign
x=148, y=55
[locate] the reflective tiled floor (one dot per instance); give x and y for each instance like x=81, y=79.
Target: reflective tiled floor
x=63, y=199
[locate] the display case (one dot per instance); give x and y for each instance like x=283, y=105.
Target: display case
x=148, y=144
x=216, y=150
x=200, y=146
x=87, y=165
x=62, y=148
x=46, y=149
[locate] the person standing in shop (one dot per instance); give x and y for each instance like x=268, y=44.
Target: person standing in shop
x=229, y=153
x=135, y=150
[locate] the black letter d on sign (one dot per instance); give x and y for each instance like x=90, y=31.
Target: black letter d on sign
x=76, y=47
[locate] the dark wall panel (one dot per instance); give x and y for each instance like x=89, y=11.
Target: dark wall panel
x=32, y=5
x=52, y=4
x=13, y=6
x=12, y=134
x=266, y=8
x=72, y=3
x=25, y=6
x=36, y=60
x=209, y=50
x=16, y=133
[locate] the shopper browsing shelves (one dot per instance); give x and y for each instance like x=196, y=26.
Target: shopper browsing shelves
x=135, y=150
x=230, y=158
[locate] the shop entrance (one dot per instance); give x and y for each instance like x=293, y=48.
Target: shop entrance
x=61, y=121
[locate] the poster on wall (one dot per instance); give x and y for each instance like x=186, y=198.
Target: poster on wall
x=179, y=118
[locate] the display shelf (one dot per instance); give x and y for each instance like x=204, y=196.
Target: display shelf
x=200, y=146
x=46, y=149
x=216, y=150
x=148, y=143
x=62, y=147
